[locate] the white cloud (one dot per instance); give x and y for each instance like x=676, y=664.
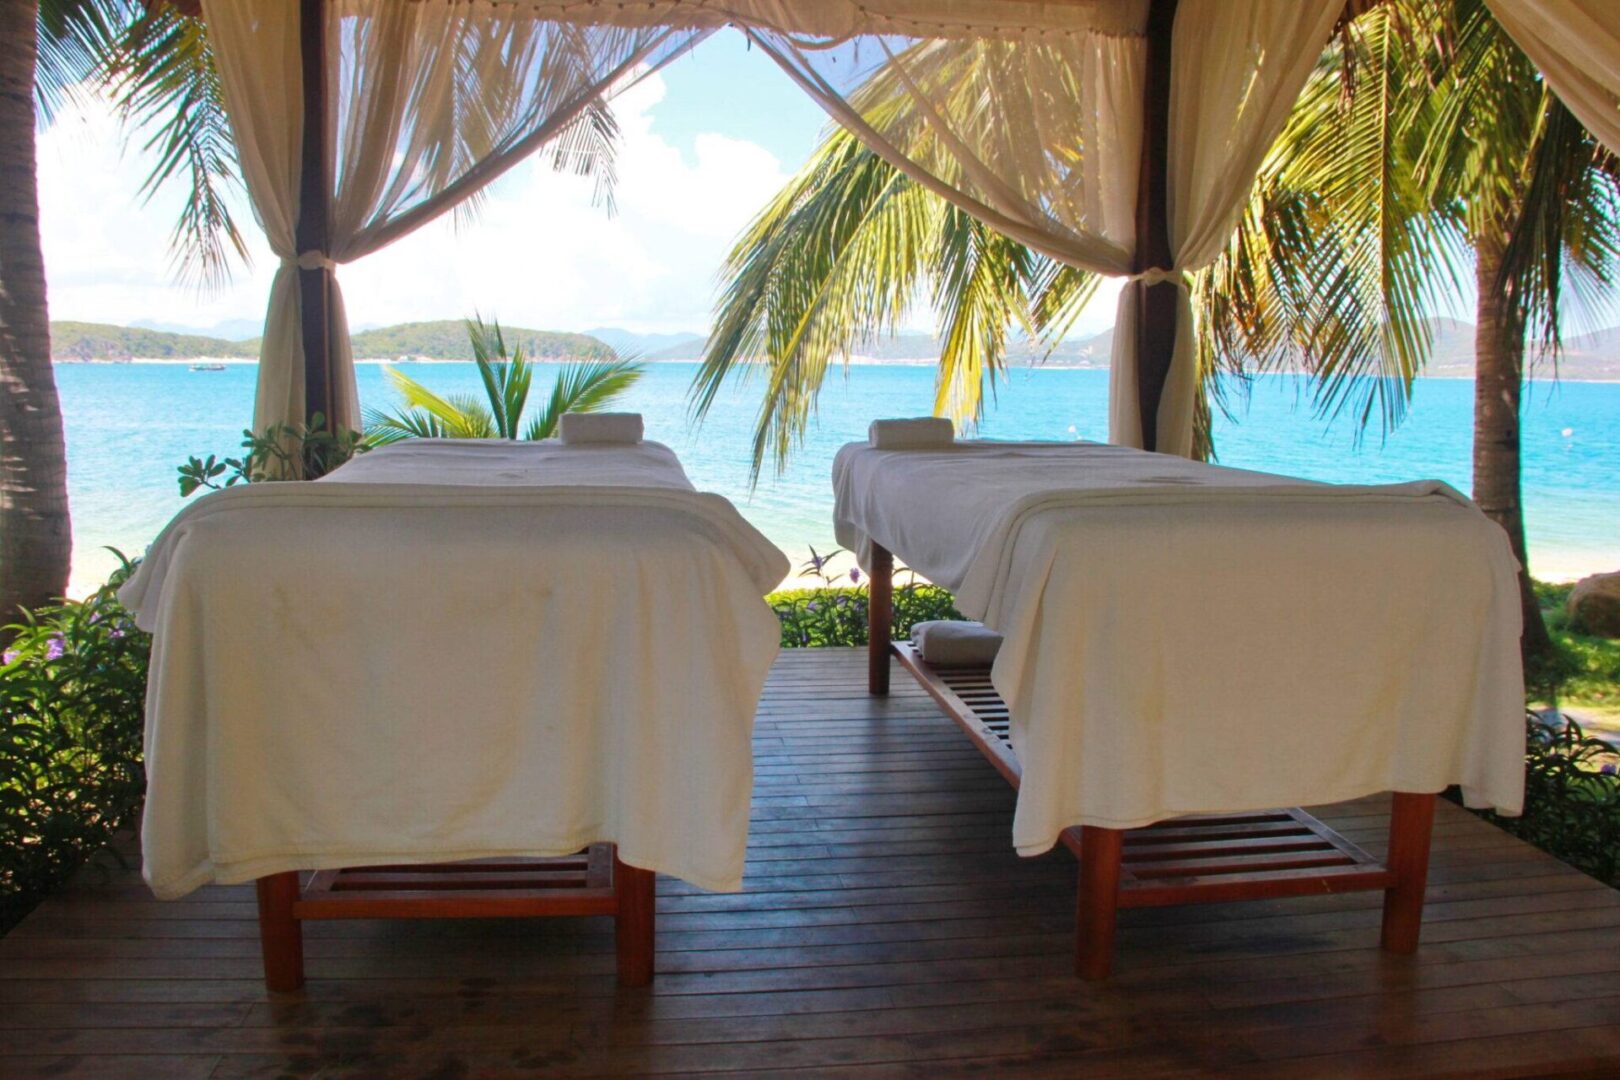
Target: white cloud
x=538, y=253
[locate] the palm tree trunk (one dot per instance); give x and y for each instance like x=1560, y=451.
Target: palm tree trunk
x=1498, y=382
x=35, y=536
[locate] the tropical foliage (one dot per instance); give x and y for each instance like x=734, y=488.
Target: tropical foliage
x=834, y=611
x=72, y=694
x=280, y=452
x=507, y=377
x=1424, y=141
x=830, y=615
x=1571, y=799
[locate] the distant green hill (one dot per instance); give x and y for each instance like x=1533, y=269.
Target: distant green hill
x=445, y=339
x=97, y=341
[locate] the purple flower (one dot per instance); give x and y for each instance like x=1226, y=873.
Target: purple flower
x=1609, y=769
x=53, y=651
x=814, y=606
x=855, y=574
x=8, y=656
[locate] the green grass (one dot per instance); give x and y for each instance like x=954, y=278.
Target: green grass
x=1586, y=672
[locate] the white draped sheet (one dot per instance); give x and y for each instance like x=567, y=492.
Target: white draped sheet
x=1183, y=638
x=452, y=652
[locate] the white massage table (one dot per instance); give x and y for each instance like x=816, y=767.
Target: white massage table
x=455, y=678
x=1183, y=639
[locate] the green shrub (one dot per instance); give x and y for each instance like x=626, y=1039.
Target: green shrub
x=72, y=691
x=832, y=613
x=836, y=615
x=282, y=452
x=1571, y=799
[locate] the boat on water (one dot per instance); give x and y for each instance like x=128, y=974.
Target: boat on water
x=207, y=367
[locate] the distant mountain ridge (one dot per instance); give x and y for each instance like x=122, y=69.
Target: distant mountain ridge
x=444, y=339
x=79, y=341
x=678, y=346
x=1594, y=355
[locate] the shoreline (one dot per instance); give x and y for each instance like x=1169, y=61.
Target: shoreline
x=862, y=361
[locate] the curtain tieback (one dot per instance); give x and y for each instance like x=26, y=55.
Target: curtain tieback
x=313, y=260
x=1158, y=275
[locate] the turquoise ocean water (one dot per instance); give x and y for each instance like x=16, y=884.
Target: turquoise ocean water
x=129, y=425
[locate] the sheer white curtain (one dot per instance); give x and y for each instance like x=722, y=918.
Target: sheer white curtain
x=428, y=102
x=1029, y=116
x=1576, y=44
x=1237, y=67
x=1025, y=113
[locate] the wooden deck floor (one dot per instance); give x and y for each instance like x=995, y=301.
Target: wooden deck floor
x=887, y=929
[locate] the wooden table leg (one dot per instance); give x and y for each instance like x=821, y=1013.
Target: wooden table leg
x=280, y=935
x=1411, y=825
x=880, y=620
x=1097, y=905
x=633, y=924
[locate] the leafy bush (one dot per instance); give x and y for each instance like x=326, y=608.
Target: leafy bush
x=832, y=613
x=836, y=615
x=282, y=452
x=72, y=691
x=1571, y=799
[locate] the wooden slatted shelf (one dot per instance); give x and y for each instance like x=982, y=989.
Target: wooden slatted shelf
x=592, y=882
x=1200, y=858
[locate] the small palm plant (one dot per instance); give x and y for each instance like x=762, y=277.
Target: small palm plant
x=507, y=376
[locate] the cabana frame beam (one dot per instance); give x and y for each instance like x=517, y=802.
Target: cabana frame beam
x=312, y=230
x=1155, y=327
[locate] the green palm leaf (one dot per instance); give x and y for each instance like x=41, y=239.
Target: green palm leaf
x=587, y=387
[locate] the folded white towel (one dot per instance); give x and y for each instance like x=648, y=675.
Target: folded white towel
x=954, y=643
x=912, y=434
x=602, y=427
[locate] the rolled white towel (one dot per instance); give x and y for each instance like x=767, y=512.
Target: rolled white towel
x=915, y=434
x=954, y=643
x=602, y=427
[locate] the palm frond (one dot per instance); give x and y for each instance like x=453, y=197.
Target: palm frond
x=160, y=70
x=587, y=387
x=506, y=376
x=75, y=39
x=455, y=417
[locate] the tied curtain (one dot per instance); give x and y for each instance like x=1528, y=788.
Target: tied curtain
x=427, y=103
x=1576, y=45
x=1030, y=117
x=1027, y=114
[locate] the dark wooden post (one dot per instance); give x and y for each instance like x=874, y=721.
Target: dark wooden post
x=1411, y=826
x=312, y=231
x=281, y=938
x=635, y=894
x=1156, y=316
x=879, y=620
x=1097, y=905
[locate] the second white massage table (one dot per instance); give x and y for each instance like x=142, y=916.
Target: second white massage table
x=455, y=678
x=1188, y=647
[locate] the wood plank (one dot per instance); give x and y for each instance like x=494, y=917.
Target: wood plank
x=886, y=928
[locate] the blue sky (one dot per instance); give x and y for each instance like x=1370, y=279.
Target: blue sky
x=705, y=143
x=725, y=86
